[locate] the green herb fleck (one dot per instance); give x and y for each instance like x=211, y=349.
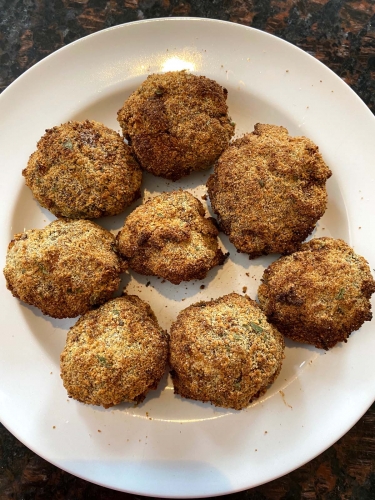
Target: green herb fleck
x=341, y=294
x=351, y=257
x=103, y=361
x=160, y=215
x=115, y=312
x=261, y=183
x=233, y=123
x=159, y=91
x=68, y=144
x=256, y=328
x=43, y=269
x=94, y=299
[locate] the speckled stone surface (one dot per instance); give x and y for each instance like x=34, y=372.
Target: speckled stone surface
x=346, y=471
x=341, y=34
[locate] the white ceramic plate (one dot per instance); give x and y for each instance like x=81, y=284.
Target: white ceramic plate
x=167, y=446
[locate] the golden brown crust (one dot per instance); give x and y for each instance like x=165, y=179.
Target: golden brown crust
x=224, y=351
x=65, y=268
x=268, y=190
x=318, y=295
x=168, y=236
x=115, y=353
x=177, y=123
x=83, y=170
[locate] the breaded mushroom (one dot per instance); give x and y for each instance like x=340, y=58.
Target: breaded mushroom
x=319, y=295
x=65, y=268
x=268, y=190
x=177, y=123
x=83, y=170
x=224, y=352
x=169, y=236
x=115, y=353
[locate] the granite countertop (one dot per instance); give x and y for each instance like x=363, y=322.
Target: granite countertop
x=341, y=34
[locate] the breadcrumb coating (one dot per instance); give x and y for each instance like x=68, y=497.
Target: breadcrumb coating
x=224, y=351
x=319, y=295
x=65, y=268
x=83, y=170
x=268, y=190
x=168, y=236
x=115, y=353
x=177, y=123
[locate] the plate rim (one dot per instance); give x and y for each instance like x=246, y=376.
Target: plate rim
x=174, y=20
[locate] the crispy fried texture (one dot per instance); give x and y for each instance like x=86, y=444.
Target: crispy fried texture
x=318, y=295
x=268, y=190
x=83, y=170
x=65, y=268
x=169, y=237
x=177, y=123
x=224, y=351
x=115, y=353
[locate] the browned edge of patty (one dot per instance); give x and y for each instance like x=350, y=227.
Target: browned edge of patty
x=224, y=351
x=320, y=294
x=115, y=353
x=177, y=123
x=65, y=268
x=83, y=170
x=168, y=236
x=268, y=190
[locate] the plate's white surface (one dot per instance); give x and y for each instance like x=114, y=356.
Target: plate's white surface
x=168, y=446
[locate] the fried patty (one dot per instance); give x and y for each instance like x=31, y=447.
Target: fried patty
x=83, y=170
x=268, y=190
x=169, y=236
x=177, y=123
x=65, y=268
x=319, y=295
x=115, y=353
x=224, y=351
